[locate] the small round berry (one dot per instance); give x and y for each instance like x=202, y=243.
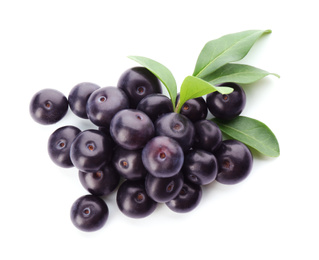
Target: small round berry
x=79, y=96
x=208, y=136
x=163, y=189
x=178, y=127
x=194, y=109
x=89, y=213
x=128, y=163
x=163, y=157
x=234, y=160
x=133, y=201
x=59, y=145
x=90, y=150
x=200, y=167
x=48, y=106
x=104, y=103
x=188, y=198
x=102, y=182
x=137, y=83
x=131, y=129
x=155, y=105
x=227, y=106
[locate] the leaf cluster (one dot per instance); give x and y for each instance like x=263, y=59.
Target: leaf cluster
x=215, y=65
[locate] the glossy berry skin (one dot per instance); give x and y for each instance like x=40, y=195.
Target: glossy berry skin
x=188, y=198
x=133, y=201
x=137, y=83
x=208, y=136
x=227, y=106
x=89, y=213
x=90, y=150
x=48, y=106
x=178, y=127
x=235, y=162
x=200, y=167
x=163, y=189
x=128, y=163
x=104, y=103
x=79, y=96
x=131, y=129
x=59, y=145
x=163, y=157
x=155, y=105
x=102, y=182
x=194, y=109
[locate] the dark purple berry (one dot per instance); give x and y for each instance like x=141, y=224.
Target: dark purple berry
x=79, y=96
x=208, y=136
x=102, y=182
x=133, y=201
x=163, y=157
x=128, y=163
x=234, y=160
x=137, y=83
x=188, y=198
x=104, y=103
x=155, y=105
x=90, y=150
x=200, y=167
x=89, y=213
x=178, y=127
x=227, y=106
x=194, y=109
x=48, y=106
x=131, y=129
x=59, y=145
x=163, y=189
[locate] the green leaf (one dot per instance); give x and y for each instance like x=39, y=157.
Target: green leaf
x=251, y=132
x=228, y=48
x=161, y=72
x=238, y=73
x=193, y=87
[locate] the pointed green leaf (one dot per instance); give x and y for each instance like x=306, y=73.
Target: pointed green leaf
x=251, y=132
x=161, y=72
x=193, y=87
x=228, y=48
x=238, y=73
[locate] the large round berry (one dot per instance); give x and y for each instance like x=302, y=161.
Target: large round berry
x=59, y=145
x=104, y=103
x=194, y=109
x=128, y=163
x=163, y=189
x=102, y=182
x=227, y=106
x=200, y=167
x=208, y=136
x=235, y=162
x=155, y=105
x=48, y=106
x=188, y=198
x=133, y=200
x=163, y=157
x=137, y=83
x=89, y=213
x=178, y=127
x=131, y=129
x=90, y=150
x=79, y=96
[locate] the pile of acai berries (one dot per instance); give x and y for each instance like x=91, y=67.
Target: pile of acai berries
x=141, y=148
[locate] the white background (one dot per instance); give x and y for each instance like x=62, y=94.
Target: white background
x=56, y=44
